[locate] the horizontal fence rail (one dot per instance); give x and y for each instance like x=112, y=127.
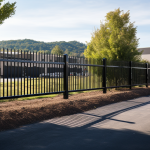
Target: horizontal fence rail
x=24, y=74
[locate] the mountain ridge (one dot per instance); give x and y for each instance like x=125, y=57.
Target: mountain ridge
x=32, y=45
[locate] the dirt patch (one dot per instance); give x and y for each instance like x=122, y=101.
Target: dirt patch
x=17, y=113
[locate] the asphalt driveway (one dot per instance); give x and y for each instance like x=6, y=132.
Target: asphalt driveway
x=119, y=126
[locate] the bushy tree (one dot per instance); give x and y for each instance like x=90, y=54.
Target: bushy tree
x=82, y=55
x=47, y=52
x=56, y=50
x=115, y=40
x=73, y=54
x=41, y=51
x=67, y=52
x=6, y=10
x=145, y=61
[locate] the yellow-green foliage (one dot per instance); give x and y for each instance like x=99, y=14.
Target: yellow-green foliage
x=145, y=61
x=115, y=40
x=56, y=50
x=6, y=10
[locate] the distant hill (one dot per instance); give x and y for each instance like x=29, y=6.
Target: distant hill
x=72, y=46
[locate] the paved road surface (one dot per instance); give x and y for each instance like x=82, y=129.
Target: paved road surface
x=120, y=126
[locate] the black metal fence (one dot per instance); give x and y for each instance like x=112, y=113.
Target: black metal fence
x=24, y=74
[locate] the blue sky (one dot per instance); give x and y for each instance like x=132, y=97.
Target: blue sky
x=68, y=20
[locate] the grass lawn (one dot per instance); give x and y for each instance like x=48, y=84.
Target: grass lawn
x=36, y=85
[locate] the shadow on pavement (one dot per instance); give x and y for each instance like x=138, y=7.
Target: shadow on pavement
x=79, y=132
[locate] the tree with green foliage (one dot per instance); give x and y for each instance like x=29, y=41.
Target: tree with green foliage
x=82, y=55
x=47, y=52
x=145, y=61
x=41, y=51
x=115, y=40
x=72, y=46
x=6, y=10
x=56, y=50
x=67, y=52
x=74, y=54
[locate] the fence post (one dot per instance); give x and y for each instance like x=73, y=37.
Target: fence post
x=146, y=74
x=104, y=75
x=66, y=76
x=130, y=75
